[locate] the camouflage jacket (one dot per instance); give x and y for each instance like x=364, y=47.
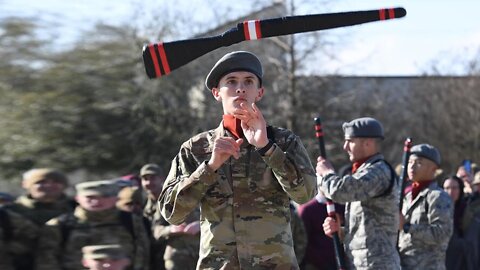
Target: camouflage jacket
x=62, y=238
x=244, y=205
x=179, y=251
x=39, y=212
x=5, y=258
x=19, y=239
x=431, y=217
x=158, y=226
x=371, y=214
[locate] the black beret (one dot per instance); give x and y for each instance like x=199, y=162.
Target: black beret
x=365, y=127
x=234, y=61
x=426, y=151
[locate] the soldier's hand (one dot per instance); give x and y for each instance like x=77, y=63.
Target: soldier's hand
x=192, y=228
x=324, y=167
x=330, y=226
x=223, y=149
x=254, y=125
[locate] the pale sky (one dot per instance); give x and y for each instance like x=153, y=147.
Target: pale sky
x=441, y=31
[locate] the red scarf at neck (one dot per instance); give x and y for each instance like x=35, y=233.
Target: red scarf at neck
x=359, y=163
x=419, y=186
x=233, y=125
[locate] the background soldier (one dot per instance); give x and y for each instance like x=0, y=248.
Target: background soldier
x=102, y=257
x=5, y=258
x=426, y=220
x=176, y=247
x=95, y=221
x=45, y=198
x=241, y=177
x=371, y=197
x=18, y=237
x=130, y=200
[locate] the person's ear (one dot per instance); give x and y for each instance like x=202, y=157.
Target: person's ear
x=259, y=96
x=216, y=94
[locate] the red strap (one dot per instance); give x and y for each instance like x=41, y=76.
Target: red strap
x=163, y=57
x=245, y=30
x=154, y=60
x=381, y=14
x=391, y=13
x=258, y=30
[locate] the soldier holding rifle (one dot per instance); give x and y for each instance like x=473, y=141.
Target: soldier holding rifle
x=371, y=197
x=426, y=221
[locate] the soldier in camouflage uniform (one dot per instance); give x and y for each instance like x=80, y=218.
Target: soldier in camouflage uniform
x=371, y=194
x=19, y=236
x=241, y=176
x=130, y=199
x=45, y=198
x=176, y=247
x=426, y=221
x=95, y=221
x=5, y=258
x=100, y=257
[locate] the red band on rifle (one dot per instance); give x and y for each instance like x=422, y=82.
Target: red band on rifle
x=391, y=13
x=153, y=55
x=163, y=57
x=251, y=30
x=245, y=30
x=381, y=14
x=258, y=29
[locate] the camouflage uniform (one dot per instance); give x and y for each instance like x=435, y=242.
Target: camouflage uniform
x=5, y=258
x=245, y=213
x=40, y=212
x=174, y=251
x=62, y=238
x=431, y=217
x=58, y=251
x=182, y=250
x=19, y=238
x=371, y=215
x=159, y=225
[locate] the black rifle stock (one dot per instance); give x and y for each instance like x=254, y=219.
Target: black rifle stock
x=403, y=178
x=407, y=145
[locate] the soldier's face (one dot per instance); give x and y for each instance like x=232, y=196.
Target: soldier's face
x=46, y=190
x=153, y=184
x=355, y=148
x=95, y=203
x=236, y=88
x=452, y=188
x=106, y=264
x=420, y=169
